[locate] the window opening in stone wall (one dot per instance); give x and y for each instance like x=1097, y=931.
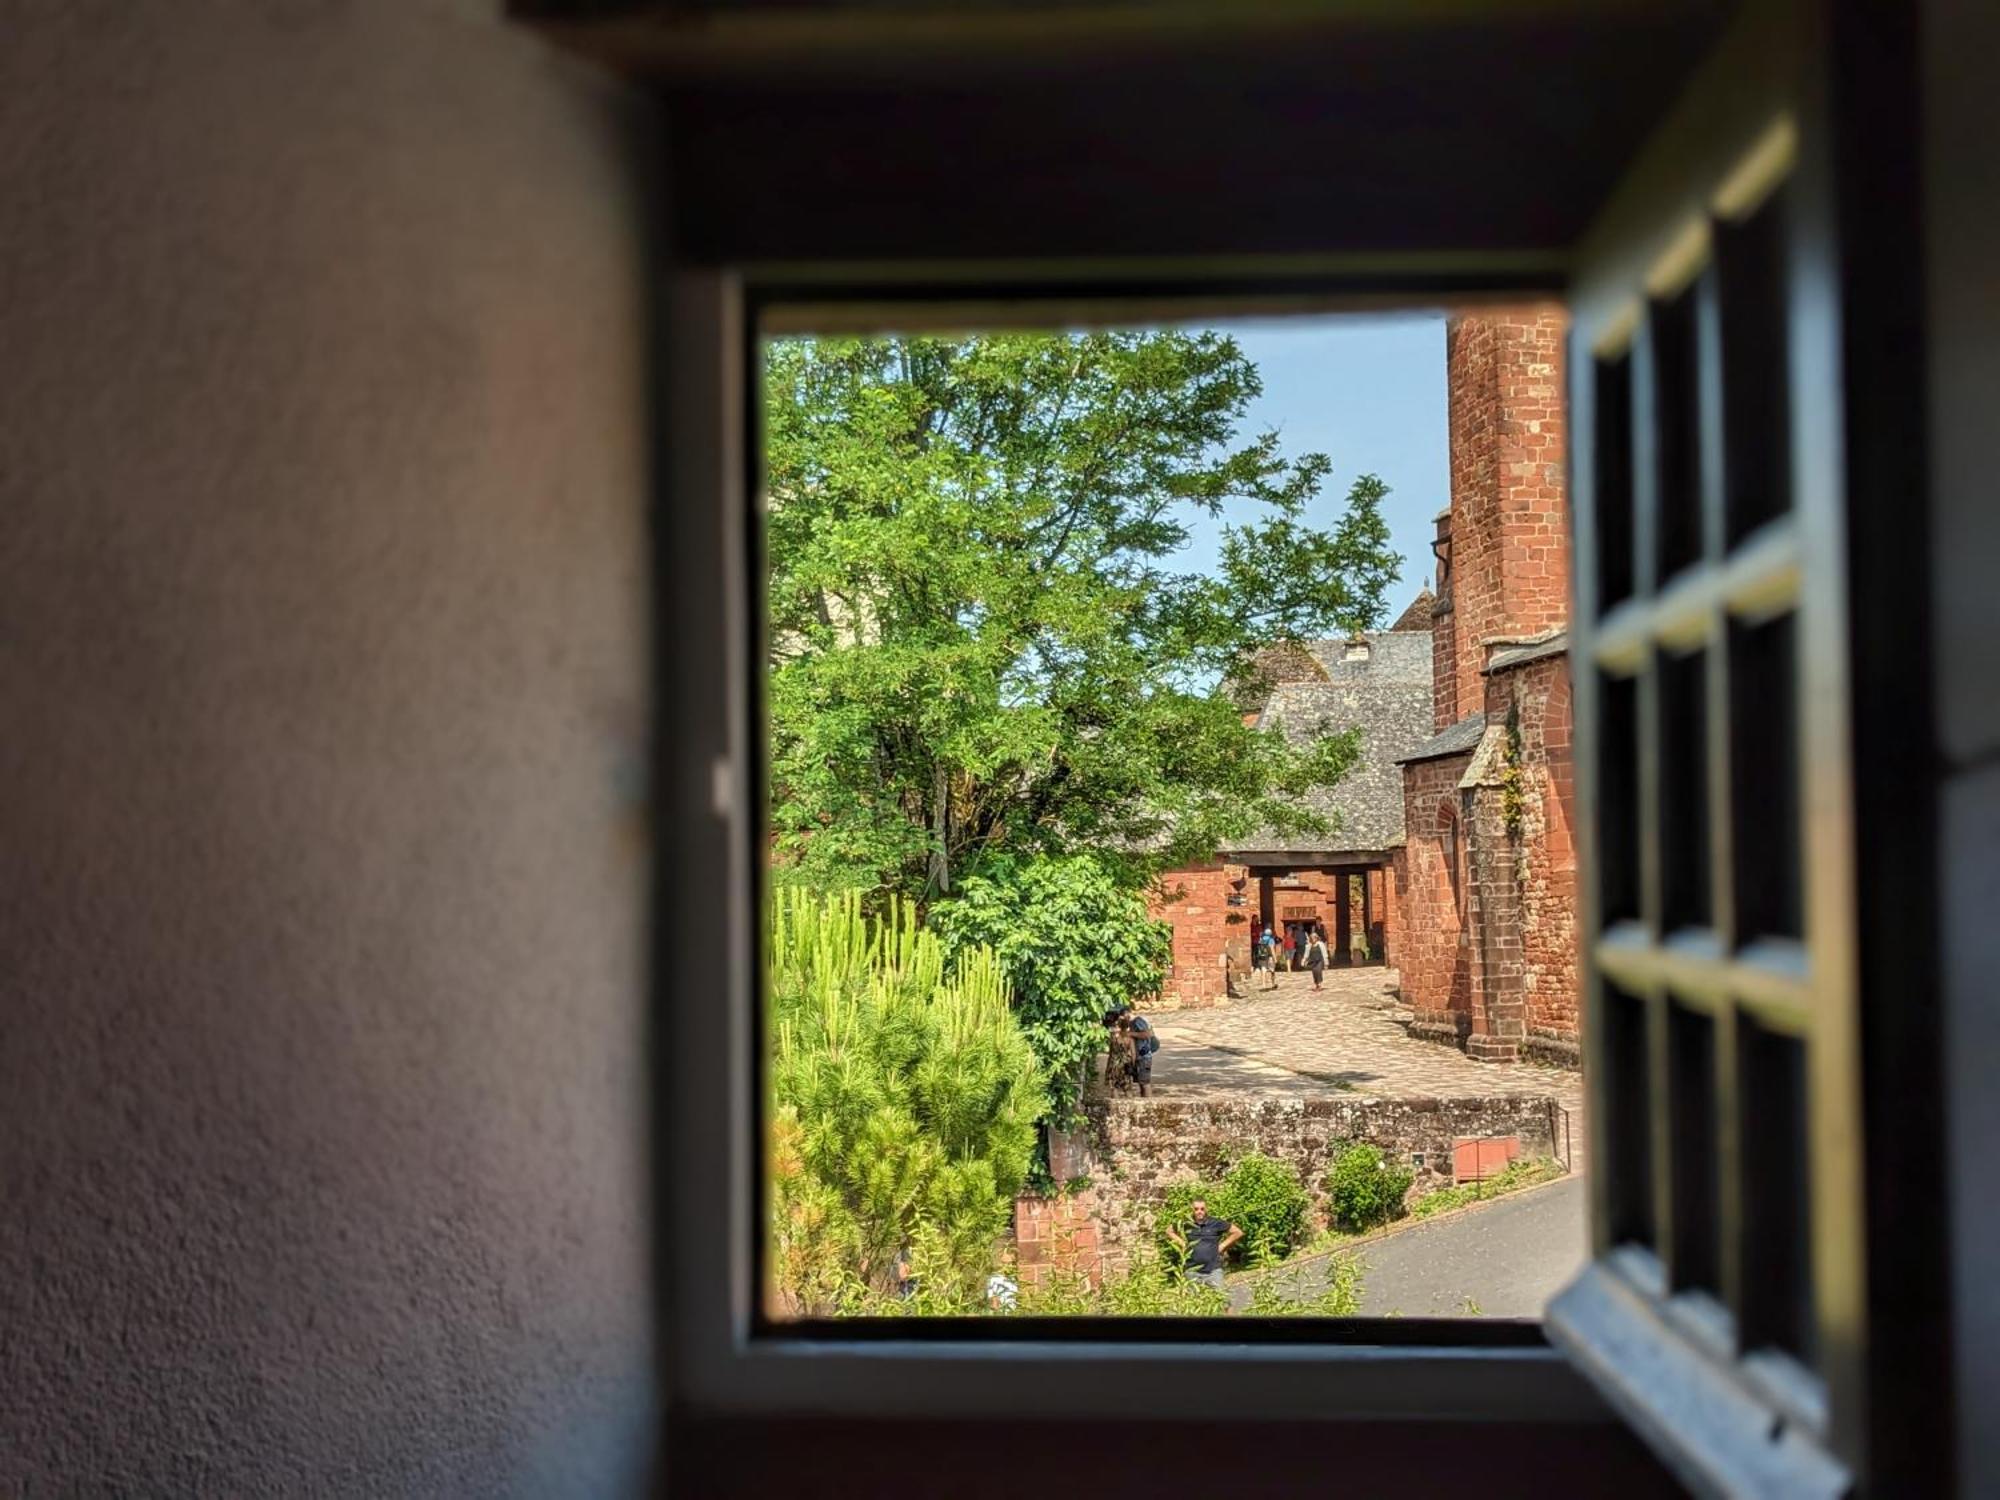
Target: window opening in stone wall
x=1172, y=894
x=1723, y=1007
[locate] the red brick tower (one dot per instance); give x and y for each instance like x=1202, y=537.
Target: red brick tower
x=1503, y=546
x=1487, y=878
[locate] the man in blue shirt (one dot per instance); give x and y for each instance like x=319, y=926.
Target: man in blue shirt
x=1206, y=1244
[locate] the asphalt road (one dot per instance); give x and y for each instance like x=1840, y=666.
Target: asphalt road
x=1502, y=1260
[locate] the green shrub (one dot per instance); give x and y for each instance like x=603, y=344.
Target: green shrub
x=1293, y=1294
x=1073, y=942
x=1364, y=1190
x=1265, y=1199
x=1259, y=1195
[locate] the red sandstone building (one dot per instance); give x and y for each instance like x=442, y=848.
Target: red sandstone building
x=1486, y=885
x=1452, y=858
x=1342, y=881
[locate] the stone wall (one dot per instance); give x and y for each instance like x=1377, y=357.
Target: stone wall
x=1489, y=959
x=1143, y=1147
x=1196, y=901
x=1494, y=1025
x=1487, y=883
x=1059, y=1234
x=1444, y=634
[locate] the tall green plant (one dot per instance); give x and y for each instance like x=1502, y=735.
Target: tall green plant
x=903, y=1105
x=1073, y=942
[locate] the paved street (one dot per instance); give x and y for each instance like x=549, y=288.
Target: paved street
x=1503, y=1259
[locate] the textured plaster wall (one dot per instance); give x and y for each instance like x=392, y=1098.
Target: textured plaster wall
x=322, y=476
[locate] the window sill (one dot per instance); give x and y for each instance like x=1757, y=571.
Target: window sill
x=1193, y=1379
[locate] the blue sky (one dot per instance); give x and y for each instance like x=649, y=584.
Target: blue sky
x=1369, y=393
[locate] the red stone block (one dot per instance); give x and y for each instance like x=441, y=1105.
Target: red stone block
x=1475, y=1159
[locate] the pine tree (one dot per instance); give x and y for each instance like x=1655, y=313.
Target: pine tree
x=903, y=1104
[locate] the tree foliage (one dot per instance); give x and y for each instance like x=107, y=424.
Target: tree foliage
x=903, y=1105
x=1073, y=943
x=981, y=639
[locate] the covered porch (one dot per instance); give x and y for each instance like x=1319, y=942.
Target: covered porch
x=1346, y=897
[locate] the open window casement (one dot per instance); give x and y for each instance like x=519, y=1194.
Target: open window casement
x=1732, y=416
x=1766, y=1305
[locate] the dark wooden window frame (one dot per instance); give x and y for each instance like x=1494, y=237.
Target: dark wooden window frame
x=728, y=1355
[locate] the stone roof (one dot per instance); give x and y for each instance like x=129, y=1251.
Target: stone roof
x=1460, y=737
x=1380, y=683
x=1418, y=615
x=1555, y=643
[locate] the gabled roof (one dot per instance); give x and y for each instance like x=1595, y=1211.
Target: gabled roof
x=1460, y=737
x=1418, y=615
x=1381, y=684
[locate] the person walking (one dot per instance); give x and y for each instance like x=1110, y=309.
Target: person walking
x=1205, y=1244
x=1263, y=958
x=1316, y=959
x=1144, y=1044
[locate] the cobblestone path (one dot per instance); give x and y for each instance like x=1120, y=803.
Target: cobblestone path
x=1294, y=1043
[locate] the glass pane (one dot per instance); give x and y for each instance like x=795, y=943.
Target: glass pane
x=1618, y=799
x=1755, y=410
x=1777, y=1203
x=1765, y=770
x=1629, y=1091
x=1676, y=442
x=1113, y=761
x=1695, y=1257
x=1686, y=885
x=1612, y=480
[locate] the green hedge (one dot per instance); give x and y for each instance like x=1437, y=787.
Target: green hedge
x=1261, y=1195
x=1363, y=1190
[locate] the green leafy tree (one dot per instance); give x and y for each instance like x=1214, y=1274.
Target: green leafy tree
x=903, y=1105
x=1073, y=943
x=981, y=640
